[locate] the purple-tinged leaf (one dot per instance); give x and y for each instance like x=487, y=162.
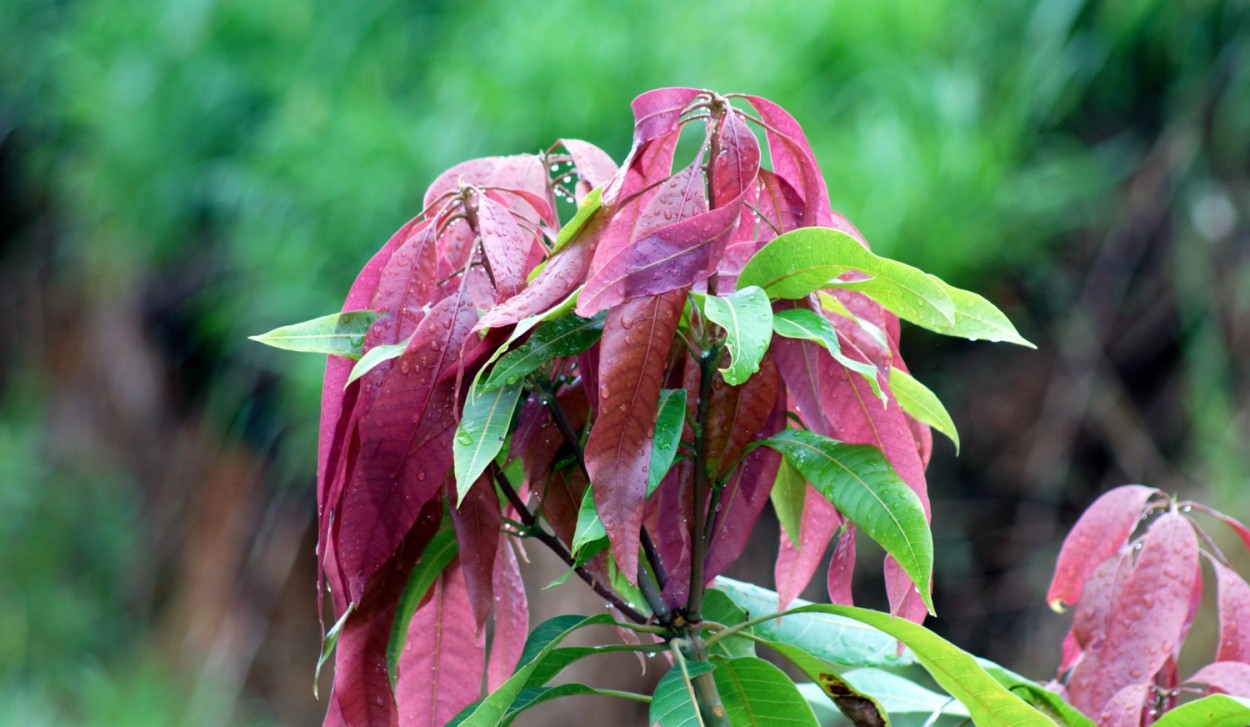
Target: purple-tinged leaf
x=440, y=670
x=735, y=167
x=900, y=590
x=1224, y=677
x=477, y=522
x=1099, y=597
x=405, y=445
x=670, y=510
x=841, y=574
x=506, y=246
x=793, y=160
x=737, y=414
x=1098, y=533
x=658, y=112
x=524, y=172
x=1126, y=707
x=512, y=617
x=1234, y=609
x=781, y=206
x=593, y=164
x=799, y=364
x=796, y=565
x=1145, y=624
x=634, y=353
x=405, y=287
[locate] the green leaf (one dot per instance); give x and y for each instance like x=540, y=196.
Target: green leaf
x=747, y=318
x=565, y=336
x=327, y=645
x=534, y=696
x=338, y=334
x=988, y=702
x=434, y=559
x=1035, y=694
x=788, y=493
x=899, y=695
x=589, y=527
x=719, y=608
x=860, y=482
x=755, y=692
x=807, y=325
x=673, y=703
x=669, y=424
x=375, y=356
x=805, y=260
x=977, y=319
x=542, y=641
x=1217, y=710
x=525, y=325
x=481, y=432
x=590, y=204
x=916, y=399
x=833, y=638
x=833, y=305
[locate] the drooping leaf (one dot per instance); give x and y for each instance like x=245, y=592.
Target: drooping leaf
x=1146, y=623
x=899, y=695
x=859, y=481
x=658, y=112
x=567, y=336
x=477, y=522
x=375, y=357
x=673, y=704
x=589, y=527
x=831, y=304
x=1234, y=610
x=1227, y=677
x=441, y=666
x=406, y=285
x=1099, y=532
x=668, y=428
x=594, y=166
x=841, y=574
x=747, y=318
x=481, y=432
x=586, y=209
x=921, y=403
x=806, y=325
x=793, y=160
x=505, y=245
x=827, y=636
x=797, y=562
x=338, y=334
x=977, y=319
x=735, y=167
x=511, y=617
x=737, y=415
x=1037, y=695
x=1217, y=710
x=440, y=551
x=634, y=353
x=799, y=364
x=805, y=260
x=787, y=495
x=755, y=692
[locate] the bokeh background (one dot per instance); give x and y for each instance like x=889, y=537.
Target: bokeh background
x=177, y=175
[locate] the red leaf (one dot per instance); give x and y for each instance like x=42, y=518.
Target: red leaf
x=505, y=245
x=793, y=160
x=1242, y=531
x=405, y=287
x=477, y=522
x=1126, y=707
x=670, y=510
x=440, y=669
x=905, y=601
x=1146, y=622
x=511, y=617
x=521, y=172
x=1100, y=596
x=1225, y=677
x=1098, y=533
x=362, y=691
x=780, y=204
x=593, y=164
x=796, y=566
x=734, y=169
x=1234, y=600
x=736, y=415
x=657, y=112
x=405, y=445
x=841, y=574
x=637, y=337
x=799, y=364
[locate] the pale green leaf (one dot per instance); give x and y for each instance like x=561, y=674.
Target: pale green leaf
x=338, y=334
x=1035, y=694
x=673, y=703
x=917, y=400
x=977, y=319
x=481, y=432
x=1217, y=710
x=719, y=608
x=376, y=356
x=566, y=336
x=806, y=325
x=327, y=645
x=788, y=494
x=669, y=425
x=860, y=482
x=747, y=317
x=434, y=559
x=756, y=693
x=590, y=204
x=589, y=528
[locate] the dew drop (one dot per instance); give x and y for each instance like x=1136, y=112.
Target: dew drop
x=421, y=475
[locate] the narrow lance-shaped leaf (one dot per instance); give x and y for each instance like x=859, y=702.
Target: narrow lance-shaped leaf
x=338, y=334
x=375, y=357
x=478, y=525
x=505, y=244
x=806, y=325
x=755, y=692
x=802, y=261
x=589, y=528
x=977, y=319
x=673, y=704
x=859, y=481
x=1099, y=532
x=481, y=432
x=921, y=403
x=787, y=495
x=440, y=551
x=747, y=318
x=567, y=336
x=511, y=617
x=668, y=428
x=586, y=209
x=1234, y=610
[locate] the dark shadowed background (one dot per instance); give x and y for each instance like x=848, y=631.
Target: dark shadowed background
x=177, y=175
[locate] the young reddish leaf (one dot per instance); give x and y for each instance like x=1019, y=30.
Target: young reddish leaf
x=735, y=167
x=511, y=617
x=1126, y=707
x=657, y=112
x=781, y=207
x=1225, y=677
x=799, y=364
x=477, y=522
x=736, y=415
x=1145, y=624
x=593, y=164
x=841, y=574
x=506, y=246
x=669, y=512
x=404, y=288
x=1234, y=608
x=1099, y=597
x=900, y=590
x=634, y=352
x=793, y=160
x=405, y=444
x=1098, y=533
x=519, y=172
x=1242, y=531
x=440, y=670
x=796, y=565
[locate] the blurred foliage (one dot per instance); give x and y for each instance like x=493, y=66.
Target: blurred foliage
x=233, y=163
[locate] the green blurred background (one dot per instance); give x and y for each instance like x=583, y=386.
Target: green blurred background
x=177, y=175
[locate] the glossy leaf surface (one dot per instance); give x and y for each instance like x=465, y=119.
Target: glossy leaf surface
x=747, y=318
x=1099, y=532
x=566, y=336
x=755, y=692
x=338, y=334
x=481, y=432
x=921, y=403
